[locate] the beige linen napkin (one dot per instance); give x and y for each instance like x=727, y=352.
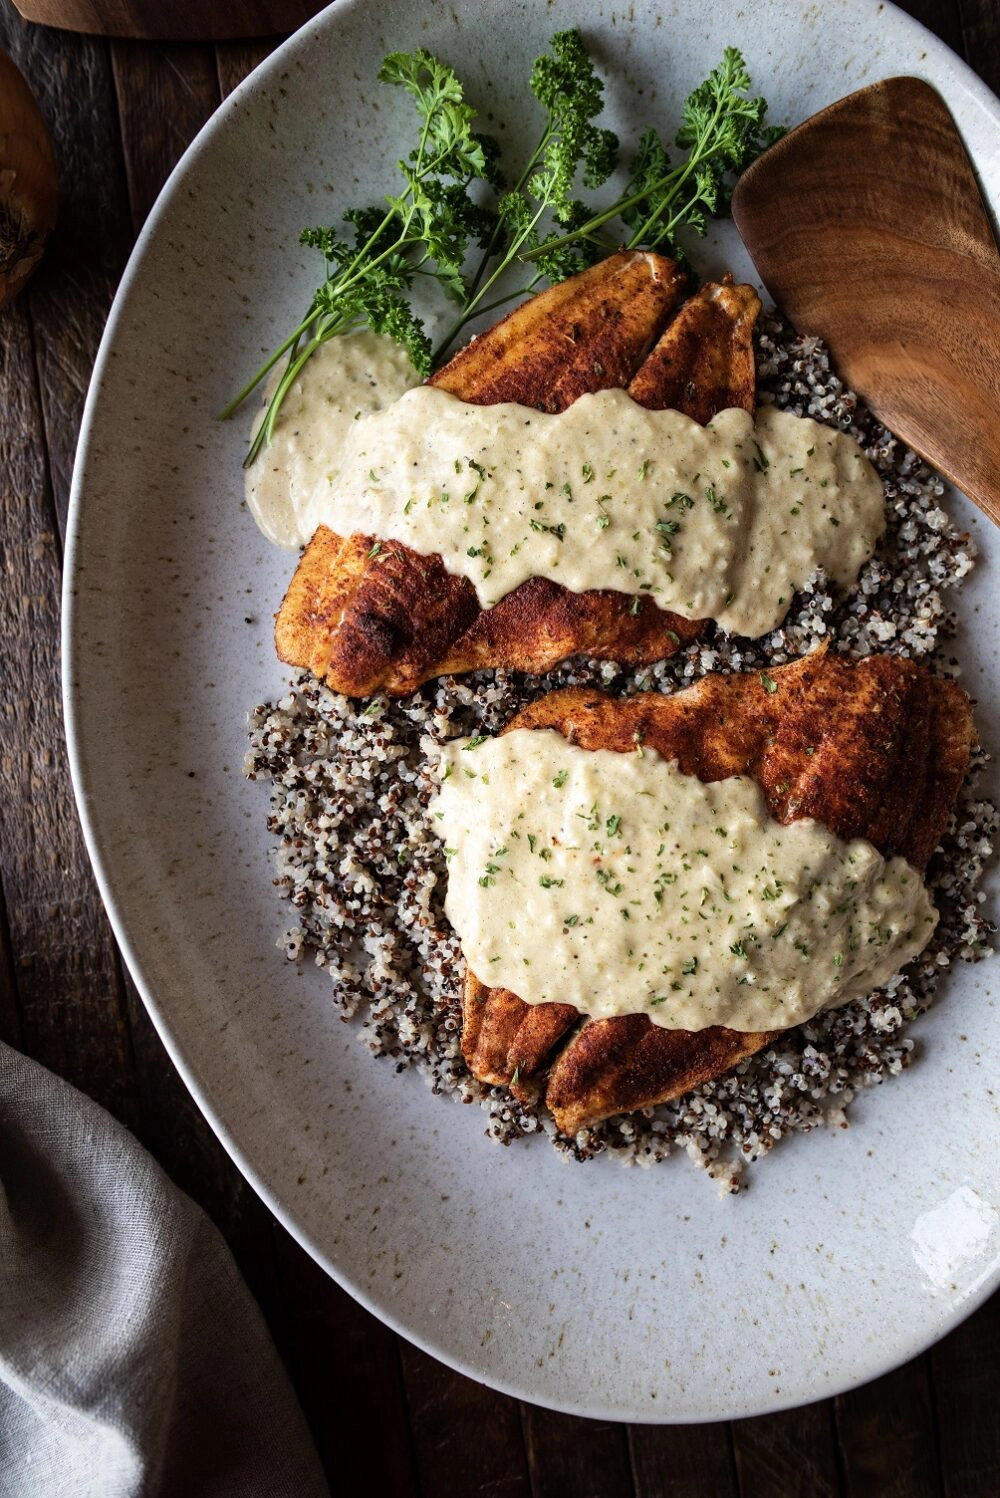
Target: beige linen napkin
x=133, y=1359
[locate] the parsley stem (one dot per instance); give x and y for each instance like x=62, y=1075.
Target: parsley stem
x=351, y=277
x=600, y=219
x=472, y=304
x=366, y=248
x=491, y=244
x=429, y=228
x=501, y=301
x=693, y=161
x=295, y=365
x=265, y=369
x=673, y=180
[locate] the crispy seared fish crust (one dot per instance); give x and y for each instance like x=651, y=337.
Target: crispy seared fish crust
x=394, y=619
x=876, y=749
x=590, y=332
x=704, y=361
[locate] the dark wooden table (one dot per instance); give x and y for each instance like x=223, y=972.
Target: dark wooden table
x=121, y=113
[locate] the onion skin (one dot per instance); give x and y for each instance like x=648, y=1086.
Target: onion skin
x=29, y=189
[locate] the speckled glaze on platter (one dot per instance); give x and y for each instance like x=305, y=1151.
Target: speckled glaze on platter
x=633, y=1295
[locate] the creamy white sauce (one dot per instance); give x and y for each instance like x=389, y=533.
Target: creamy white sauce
x=722, y=522
x=344, y=381
x=619, y=885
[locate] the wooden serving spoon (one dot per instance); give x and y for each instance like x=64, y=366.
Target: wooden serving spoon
x=868, y=228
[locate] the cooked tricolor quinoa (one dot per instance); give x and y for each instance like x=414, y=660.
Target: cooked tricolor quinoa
x=360, y=860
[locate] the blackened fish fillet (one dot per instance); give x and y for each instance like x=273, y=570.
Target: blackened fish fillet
x=876, y=749
x=363, y=616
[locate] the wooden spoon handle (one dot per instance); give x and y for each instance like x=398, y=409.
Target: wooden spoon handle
x=868, y=227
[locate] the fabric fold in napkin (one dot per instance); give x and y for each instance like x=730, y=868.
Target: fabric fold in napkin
x=133, y=1360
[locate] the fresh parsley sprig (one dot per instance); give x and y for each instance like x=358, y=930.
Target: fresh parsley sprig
x=425, y=229
x=722, y=131
x=540, y=213
x=539, y=225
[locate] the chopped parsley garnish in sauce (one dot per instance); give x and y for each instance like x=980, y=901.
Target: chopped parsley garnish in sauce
x=666, y=887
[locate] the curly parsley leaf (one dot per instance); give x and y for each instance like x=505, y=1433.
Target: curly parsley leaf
x=426, y=228
x=722, y=130
x=431, y=224
x=540, y=213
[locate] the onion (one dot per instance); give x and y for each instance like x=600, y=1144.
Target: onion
x=29, y=190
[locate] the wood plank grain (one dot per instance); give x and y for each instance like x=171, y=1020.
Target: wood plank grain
x=235, y=60
x=348, y=1376
x=69, y=304
x=788, y=1455
x=588, y=1458
x=940, y=16
x=467, y=1438
x=683, y=1461
x=69, y=986
x=180, y=20
x=980, y=23
x=71, y=293
x=885, y=1432
x=965, y=1375
x=166, y=92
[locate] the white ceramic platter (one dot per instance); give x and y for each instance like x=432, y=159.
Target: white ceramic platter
x=626, y=1294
